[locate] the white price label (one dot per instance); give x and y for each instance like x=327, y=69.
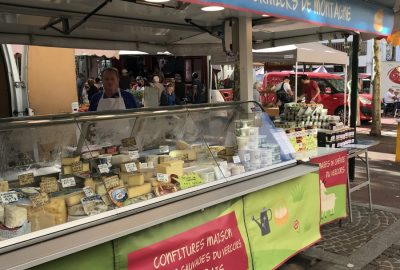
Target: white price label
x=150, y=164
x=236, y=159
x=144, y=165
x=88, y=191
x=130, y=167
x=103, y=168
x=162, y=177
x=8, y=197
x=134, y=154
x=246, y=157
x=68, y=182
x=164, y=149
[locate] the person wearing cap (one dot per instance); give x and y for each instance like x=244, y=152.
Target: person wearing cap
x=112, y=98
x=124, y=80
x=180, y=89
x=389, y=99
x=311, y=90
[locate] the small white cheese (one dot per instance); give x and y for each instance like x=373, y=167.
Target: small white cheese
x=15, y=216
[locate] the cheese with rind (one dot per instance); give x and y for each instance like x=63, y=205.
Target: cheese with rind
x=68, y=169
x=4, y=186
x=69, y=161
x=132, y=179
x=139, y=191
x=74, y=198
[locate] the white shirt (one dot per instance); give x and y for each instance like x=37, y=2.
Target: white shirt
x=389, y=97
x=286, y=87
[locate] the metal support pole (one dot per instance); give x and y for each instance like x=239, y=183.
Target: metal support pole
x=354, y=97
x=349, y=197
x=246, y=59
x=369, y=181
x=296, y=81
x=346, y=98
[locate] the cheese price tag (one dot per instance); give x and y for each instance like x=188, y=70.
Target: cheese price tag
x=39, y=199
x=8, y=197
x=162, y=177
x=246, y=157
x=77, y=167
x=68, y=182
x=103, y=168
x=49, y=185
x=190, y=180
x=236, y=159
x=133, y=154
x=130, y=167
x=164, y=149
x=143, y=166
x=26, y=179
x=88, y=191
x=111, y=182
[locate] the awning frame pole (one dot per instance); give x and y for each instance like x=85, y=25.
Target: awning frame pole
x=345, y=96
x=296, y=81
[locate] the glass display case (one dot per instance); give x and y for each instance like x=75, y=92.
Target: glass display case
x=67, y=172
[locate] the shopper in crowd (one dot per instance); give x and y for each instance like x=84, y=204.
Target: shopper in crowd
x=168, y=97
x=311, y=90
x=180, y=90
x=284, y=93
x=125, y=80
x=92, y=89
x=80, y=82
x=390, y=100
x=112, y=98
x=158, y=85
x=197, y=89
x=257, y=87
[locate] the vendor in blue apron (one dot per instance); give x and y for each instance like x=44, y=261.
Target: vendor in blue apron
x=112, y=98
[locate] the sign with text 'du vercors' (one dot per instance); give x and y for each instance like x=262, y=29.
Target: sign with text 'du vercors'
x=216, y=245
x=355, y=15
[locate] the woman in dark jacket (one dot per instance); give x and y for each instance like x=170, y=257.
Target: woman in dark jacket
x=93, y=90
x=168, y=96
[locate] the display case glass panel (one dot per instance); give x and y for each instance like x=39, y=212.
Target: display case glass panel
x=94, y=168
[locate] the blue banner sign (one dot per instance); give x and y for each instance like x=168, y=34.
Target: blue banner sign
x=357, y=15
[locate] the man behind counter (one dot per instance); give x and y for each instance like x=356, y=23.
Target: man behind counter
x=112, y=98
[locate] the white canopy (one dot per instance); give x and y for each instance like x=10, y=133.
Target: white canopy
x=312, y=53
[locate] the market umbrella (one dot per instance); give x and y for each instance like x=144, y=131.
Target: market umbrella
x=321, y=69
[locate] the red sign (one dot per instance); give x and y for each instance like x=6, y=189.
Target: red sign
x=394, y=75
x=216, y=245
x=332, y=169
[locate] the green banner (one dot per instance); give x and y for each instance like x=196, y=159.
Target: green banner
x=283, y=220
x=333, y=186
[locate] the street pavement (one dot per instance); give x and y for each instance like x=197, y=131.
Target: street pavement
x=372, y=241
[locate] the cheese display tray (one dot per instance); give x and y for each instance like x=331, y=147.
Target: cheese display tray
x=107, y=165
